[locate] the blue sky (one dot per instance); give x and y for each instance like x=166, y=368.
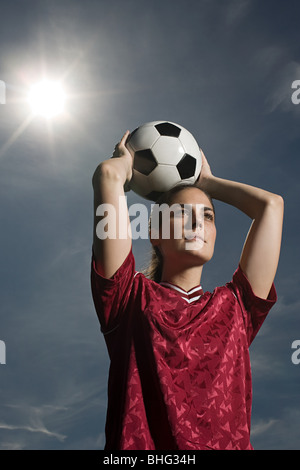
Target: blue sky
x=223, y=70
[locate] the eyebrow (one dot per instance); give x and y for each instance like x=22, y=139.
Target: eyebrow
x=205, y=208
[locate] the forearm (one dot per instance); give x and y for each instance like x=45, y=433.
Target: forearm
x=108, y=182
x=249, y=199
x=112, y=234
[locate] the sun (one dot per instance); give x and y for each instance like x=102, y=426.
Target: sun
x=47, y=98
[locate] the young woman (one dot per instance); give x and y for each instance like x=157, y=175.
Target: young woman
x=180, y=374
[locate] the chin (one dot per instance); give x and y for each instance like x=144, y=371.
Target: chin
x=199, y=257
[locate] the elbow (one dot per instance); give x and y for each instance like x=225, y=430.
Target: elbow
x=275, y=205
x=105, y=171
x=277, y=202
x=270, y=203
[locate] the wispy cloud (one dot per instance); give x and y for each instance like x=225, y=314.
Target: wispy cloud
x=277, y=433
x=280, y=92
x=262, y=426
x=34, y=428
x=53, y=424
x=236, y=10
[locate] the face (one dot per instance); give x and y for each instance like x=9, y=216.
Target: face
x=192, y=234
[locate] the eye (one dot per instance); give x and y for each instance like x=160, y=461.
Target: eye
x=209, y=216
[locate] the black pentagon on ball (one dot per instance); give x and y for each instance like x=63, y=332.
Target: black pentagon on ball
x=144, y=161
x=168, y=129
x=186, y=167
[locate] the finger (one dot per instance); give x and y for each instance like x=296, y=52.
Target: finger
x=201, y=151
x=203, y=157
x=124, y=138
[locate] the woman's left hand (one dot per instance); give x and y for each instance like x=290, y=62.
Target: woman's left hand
x=205, y=173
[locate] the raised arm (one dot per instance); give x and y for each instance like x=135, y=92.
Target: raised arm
x=260, y=254
x=111, y=248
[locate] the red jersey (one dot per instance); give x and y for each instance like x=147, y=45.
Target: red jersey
x=180, y=375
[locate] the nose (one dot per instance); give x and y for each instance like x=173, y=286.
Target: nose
x=198, y=227
x=197, y=218
x=197, y=223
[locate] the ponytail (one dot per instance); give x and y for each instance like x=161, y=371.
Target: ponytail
x=154, y=269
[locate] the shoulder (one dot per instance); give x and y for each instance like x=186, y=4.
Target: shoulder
x=145, y=285
x=241, y=287
x=239, y=291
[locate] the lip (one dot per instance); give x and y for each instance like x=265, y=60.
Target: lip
x=195, y=238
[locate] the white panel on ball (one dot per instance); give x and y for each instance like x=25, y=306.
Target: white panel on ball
x=168, y=150
x=163, y=178
x=143, y=138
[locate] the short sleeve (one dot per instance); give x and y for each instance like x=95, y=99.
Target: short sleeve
x=254, y=309
x=111, y=295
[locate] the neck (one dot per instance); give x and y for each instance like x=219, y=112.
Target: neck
x=184, y=278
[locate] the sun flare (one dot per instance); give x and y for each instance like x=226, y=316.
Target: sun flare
x=47, y=98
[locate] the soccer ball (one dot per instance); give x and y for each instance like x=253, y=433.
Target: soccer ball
x=165, y=154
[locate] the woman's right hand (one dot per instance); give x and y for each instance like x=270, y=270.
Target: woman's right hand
x=121, y=151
